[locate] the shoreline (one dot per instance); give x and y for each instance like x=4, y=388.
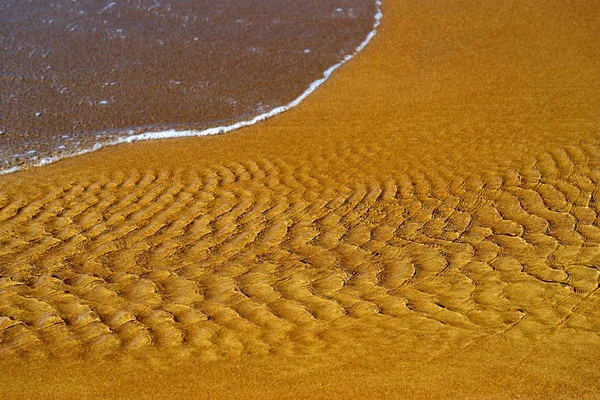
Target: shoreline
x=217, y=130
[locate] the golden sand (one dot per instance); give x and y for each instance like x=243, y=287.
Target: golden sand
x=426, y=225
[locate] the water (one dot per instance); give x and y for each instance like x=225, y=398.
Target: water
x=77, y=75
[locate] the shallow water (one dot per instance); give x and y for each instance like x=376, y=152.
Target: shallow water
x=75, y=75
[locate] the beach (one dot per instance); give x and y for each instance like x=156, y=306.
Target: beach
x=424, y=225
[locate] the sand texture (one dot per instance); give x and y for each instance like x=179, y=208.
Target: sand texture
x=424, y=226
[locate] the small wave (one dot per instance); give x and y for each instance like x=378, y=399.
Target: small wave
x=174, y=133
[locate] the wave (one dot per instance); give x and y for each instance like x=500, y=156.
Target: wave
x=174, y=133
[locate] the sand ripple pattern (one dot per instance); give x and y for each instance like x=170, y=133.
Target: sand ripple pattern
x=264, y=256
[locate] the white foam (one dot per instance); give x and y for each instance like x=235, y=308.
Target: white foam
x=10, y=170
x=172, y=133
x=109, y=6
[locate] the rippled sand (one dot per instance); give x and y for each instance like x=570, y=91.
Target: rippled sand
x=425, y=225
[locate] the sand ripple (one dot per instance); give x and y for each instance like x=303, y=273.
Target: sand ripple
x=262, y=256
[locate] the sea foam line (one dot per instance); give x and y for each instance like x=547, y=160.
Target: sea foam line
x=172, y=133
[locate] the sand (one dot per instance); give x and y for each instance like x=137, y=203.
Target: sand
x=423, y=226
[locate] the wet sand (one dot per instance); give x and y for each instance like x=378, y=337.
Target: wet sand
x=425, y=226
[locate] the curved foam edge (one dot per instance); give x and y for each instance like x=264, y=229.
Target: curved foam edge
x=172, y=133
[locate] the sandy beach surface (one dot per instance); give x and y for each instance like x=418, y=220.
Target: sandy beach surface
x=425, y=225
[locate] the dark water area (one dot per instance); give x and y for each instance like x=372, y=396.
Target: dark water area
x=76, y=73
